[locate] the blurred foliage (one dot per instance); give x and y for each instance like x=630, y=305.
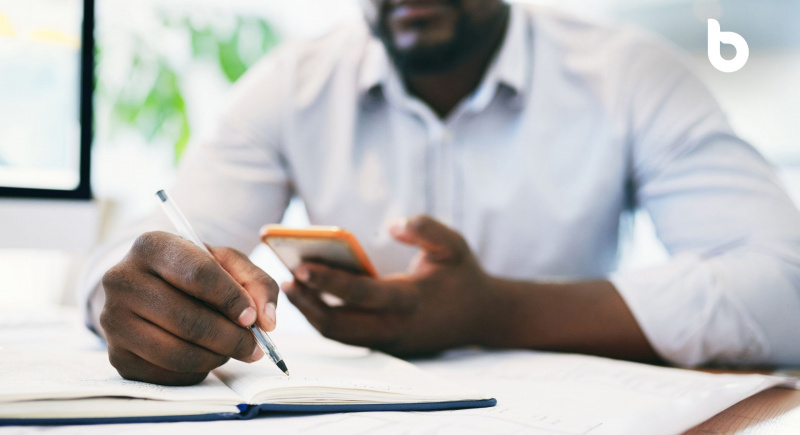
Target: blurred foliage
x=152, y=100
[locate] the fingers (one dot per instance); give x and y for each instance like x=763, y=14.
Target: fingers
x=440, y=243
x=348, y=325
x=356, y=290
x=193, y=271
x=187, y=318
x=261, y=287
x=173, y=313
x=162, y=349
x=130, y=366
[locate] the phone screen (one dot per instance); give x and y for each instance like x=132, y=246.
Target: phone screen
x=329, y=251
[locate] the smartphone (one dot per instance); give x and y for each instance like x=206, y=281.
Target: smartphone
x=331, y=246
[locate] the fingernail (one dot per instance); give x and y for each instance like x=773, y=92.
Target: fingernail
x=248, y=316
x=398, y=225
x=269, y=312
x=257, y=354
x=302, y=274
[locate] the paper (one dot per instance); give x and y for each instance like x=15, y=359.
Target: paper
x=363, y=377
x=30, y=375
x=577, y=394
x=50, y=327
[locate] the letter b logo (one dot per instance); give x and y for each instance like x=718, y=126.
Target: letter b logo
x=715, y=40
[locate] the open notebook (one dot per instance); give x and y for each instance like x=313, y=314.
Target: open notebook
x=81, y=387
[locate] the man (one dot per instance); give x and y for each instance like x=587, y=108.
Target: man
x=508, y=142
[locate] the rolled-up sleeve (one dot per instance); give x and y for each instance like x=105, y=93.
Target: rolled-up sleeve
x=730, y=292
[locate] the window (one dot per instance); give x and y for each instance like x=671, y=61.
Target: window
x=45, y=81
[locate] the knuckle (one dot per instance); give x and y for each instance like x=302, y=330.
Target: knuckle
x=112, y=277
x=233, y=252
x=111, y=320
x=117, y=278
x=230, y=255
x=201, y=272
x=113, y=357
x=124, y=365
x=107, y=321
x=420, y=224
x=266, y=281
x=231, y=299
x=117, y=361
x=147, y=243
x=243, y=346
x=196, y=328
x=224, y=252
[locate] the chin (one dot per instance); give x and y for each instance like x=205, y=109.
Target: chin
x=435, y=43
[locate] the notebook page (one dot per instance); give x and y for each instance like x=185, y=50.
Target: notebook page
x=32, y=375
x=318, y=378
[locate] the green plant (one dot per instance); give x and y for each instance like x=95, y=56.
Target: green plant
x=151, y=101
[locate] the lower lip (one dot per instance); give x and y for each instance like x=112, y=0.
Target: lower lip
x=414, y=12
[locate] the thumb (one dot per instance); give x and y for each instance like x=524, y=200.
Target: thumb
x=439, y=242
x=261, y=287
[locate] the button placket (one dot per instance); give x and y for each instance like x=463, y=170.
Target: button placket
x=445, y=175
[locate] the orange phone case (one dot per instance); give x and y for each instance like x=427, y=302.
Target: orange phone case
x=271, y=233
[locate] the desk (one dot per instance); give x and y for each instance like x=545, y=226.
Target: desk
x=774, y=411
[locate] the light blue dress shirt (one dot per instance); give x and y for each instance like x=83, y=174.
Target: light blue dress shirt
x=573, y=124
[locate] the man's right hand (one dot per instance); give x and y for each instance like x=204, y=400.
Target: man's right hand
x=173, y=313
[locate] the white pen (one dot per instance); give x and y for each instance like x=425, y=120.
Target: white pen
x=187, y=232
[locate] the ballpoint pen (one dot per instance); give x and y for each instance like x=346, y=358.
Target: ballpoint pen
x=187, y=232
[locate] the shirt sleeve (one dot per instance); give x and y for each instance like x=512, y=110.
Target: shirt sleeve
x=228, y=185
x=730, y=292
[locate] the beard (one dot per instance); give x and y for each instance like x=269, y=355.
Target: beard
x=469, y=37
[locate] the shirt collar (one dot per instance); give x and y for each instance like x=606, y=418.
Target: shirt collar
x=374, y=71
x=511, y=63
x=509, y=68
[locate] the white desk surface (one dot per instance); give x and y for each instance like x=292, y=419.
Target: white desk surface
x=520, y=409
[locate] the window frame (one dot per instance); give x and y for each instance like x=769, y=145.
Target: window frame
x=83, y=191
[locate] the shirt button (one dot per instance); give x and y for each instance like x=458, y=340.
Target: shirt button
x=447, y=136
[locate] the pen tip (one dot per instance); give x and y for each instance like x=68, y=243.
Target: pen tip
x=162, y=195
x=282, y=365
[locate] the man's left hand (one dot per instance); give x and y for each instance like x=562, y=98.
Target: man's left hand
x=438, y=305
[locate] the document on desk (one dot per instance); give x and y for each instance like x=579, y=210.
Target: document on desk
x=575, y=394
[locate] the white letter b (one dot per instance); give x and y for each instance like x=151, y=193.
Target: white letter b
x=715, y=40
